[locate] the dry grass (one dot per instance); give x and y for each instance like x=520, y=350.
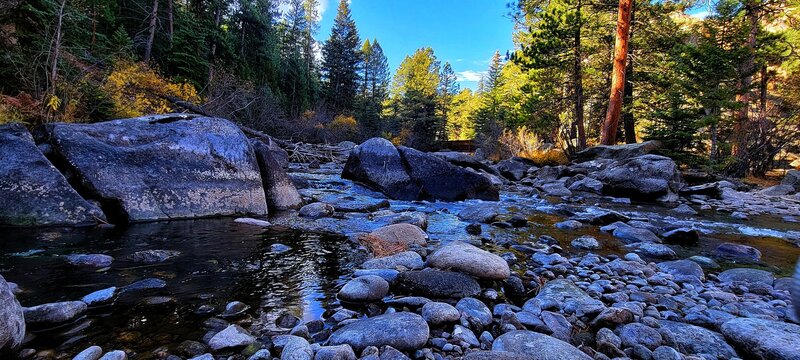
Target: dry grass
x=551, y=157
x=380, y=248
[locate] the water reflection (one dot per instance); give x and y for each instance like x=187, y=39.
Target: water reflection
x=220, y=261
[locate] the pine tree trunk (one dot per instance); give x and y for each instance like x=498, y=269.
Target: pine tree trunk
x=609, y=131
x=578, y=80
x=148, y=50
x=740, y=128
x=57, y=47
x=171, y=20
x=212, y=53
x=628, y=120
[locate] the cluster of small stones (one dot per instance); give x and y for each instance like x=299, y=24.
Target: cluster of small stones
x=457, y=301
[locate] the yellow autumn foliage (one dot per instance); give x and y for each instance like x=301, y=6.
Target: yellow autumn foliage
x=136, y=90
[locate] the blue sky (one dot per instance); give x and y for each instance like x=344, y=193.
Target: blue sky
x=464, y=32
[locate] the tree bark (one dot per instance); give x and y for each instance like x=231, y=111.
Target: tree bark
x=171, y=20
x=609, y=131
x=212, y=53
x=57, y=47
x=740, y=128
x=578, y=80
x=628, y=120
x=148, y=50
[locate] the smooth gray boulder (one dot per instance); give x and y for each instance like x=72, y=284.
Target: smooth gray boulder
x=764, y=339
x=230, y=337
x=364, y=289
x=32, y=191
x=317, y=210
x=437, y=313
x=408, y=260
x=90, y=353
x=792, y=178
x=536, y=346
x=339, y=352
x=12, y=322
x=512, y=169
x=163, y=167
x=470, y=260
x=647, y=177
x=563, y=294
x=279, y=189
x=377, y=164
x=404, y=331
x=679, y=268
x=617, y=152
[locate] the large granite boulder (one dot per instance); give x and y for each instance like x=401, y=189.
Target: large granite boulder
x=377, y=164
x=408, y=174
x=32, y=191
x=12, y=322
x=163, y=167
x=439, y=180
x=536, y=346
x=764, y=339
x=279, y=189
x=617, y=152
x=792, y=179
x=647, y=177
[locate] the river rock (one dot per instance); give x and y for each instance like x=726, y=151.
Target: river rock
x=90, y=260
x=339, y=352
x=100, y=297
x=587, y=184
x=294, y=347
x=279, y=189
x=317, y=210
x=646, y=177
x=364, y=289
x=437, y=284
x=694, y=340
x=54, y=313
x=536, y=346
x=585, y=243
x=403, y=235
x=764, y=339
x=114, y=355
x=153, y=256
x=639, y=334
x=401, y=330
x=439, y=180
x=561, y=294
x=481, y=212
x=438, y=313
x=682, y=236
x=792, y=178
x=90, y=353
x=32, y=191
x=12, y=322
x=512, y=169
x=351, y=202
x=474, y=308
x=408, y=260
x=680, y=268
x=164, y=167
x=629, y=234
x=748, y=276
x=493, y=355
x=653, y=250
x=470, y=260
x=416, y=218
x=617, y=152
x=253, y=222
x=231, y=336
x=377, y=164
x=737, y=252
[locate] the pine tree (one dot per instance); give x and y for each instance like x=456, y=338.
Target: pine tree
x=414, y=96
x=341, y=62
x=448, y=87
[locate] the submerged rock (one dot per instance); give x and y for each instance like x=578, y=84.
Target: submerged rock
x=32, y=191
x=100, y=297
x=164, y=167
x=54, y=313
x=90, y=260
x=401, y=330
x=12, y=322
x=536, y=346
x=317, y=210
x=153, y=256
x=482, y=213
x=470, y=260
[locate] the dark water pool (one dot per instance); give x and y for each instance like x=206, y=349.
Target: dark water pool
x=220, y=261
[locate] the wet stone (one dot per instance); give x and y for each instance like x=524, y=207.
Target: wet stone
x=406, y=260
x=437, y=284
x=437, y=313
x=90, y=260
x=232, y=336
x=100, y=297
x=535, y=346
x=364, y=289
x=402, y=330
x=153, y=256
x=54, y=313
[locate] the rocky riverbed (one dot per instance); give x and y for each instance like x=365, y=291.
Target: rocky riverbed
x=562, y=266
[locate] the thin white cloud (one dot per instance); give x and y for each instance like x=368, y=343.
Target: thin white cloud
x=469, y=75
x=701, y=14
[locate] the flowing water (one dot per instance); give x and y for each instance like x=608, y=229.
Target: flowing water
x=222, y=261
